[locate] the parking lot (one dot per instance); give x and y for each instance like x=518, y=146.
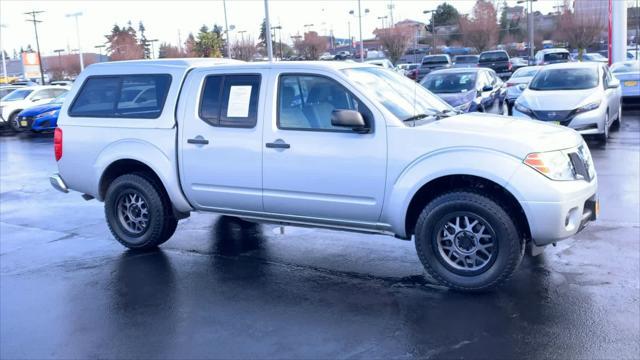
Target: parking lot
x=222, y=288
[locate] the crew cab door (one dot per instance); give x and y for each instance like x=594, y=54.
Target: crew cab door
x=220, y=139
x=313, y=169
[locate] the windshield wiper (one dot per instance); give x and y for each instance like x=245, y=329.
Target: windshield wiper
x=437, y=114
x=417, y=117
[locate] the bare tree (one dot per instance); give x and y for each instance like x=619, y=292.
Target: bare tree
x=395, y=42
x=580, y=31
x=244, y=49
x=312, y=46
x=480, y=30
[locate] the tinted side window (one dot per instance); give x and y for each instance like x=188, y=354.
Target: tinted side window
x=230, y=100
x=305, y=102
x=122, y=96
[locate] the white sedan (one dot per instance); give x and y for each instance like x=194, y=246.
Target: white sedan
x=583, y=96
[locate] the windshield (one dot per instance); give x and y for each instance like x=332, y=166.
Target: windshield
x=402, y=97
x=525, y=72
x=565, y=79
x=17, y=95
x=494, y=56
x=435, y=60
x=595, y=56
x=558, y=56
x=59, y=99
x=627, y=67
x=466, y=59
x=449, y=83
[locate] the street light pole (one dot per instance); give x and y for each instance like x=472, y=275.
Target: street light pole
x=433, y=29
x=4, y=63
x=75, y=15
x=99, y=47
x=268, y=32
x=35, y=22
x=530, y=25
x=224, y=5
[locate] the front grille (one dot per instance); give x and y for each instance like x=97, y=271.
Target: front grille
x=560, y=116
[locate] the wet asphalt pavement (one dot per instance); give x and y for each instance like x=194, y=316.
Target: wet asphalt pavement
x=223, y=288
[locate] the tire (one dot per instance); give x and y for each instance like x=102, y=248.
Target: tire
x=138, y=212
x=618, y=123
x=13, y=122
x=604, y=137
x=492, y=265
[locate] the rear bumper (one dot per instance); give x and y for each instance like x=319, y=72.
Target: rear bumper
x=58, y=184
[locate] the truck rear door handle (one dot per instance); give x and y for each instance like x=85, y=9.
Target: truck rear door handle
x=278, y=144
x=199, y=140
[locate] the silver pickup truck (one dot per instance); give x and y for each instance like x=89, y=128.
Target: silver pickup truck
x=326, y=144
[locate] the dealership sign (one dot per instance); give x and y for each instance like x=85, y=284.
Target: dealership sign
x=31, y=65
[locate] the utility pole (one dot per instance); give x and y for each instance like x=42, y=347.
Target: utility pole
x=35, y=22
x=75, y=15
x=268, y=33
x=391, y=7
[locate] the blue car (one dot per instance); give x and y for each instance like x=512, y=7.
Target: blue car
x=42, y=117
x=468, y=90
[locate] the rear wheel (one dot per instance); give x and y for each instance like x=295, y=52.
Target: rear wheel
x=467, y=241
x=13, y=122
x=605, y=135
x=138, y=212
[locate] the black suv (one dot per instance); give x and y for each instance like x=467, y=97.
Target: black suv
x=498, y=61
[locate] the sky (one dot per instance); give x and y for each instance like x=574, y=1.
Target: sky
x=169, y=21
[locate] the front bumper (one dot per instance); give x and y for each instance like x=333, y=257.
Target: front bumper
x=558, y=209
x=587, y=123
x=58, y=184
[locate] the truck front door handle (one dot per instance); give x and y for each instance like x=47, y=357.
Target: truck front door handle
x=278, y=144
x=198, y=140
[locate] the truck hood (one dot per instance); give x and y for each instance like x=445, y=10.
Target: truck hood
x=514, y=136
x=556, y=99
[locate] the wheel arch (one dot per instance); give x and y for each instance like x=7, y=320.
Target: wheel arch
x=482, y=185
x=132, y=166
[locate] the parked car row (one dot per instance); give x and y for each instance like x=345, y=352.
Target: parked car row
x=31, y=107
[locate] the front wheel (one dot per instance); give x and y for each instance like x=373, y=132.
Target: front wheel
x=138, y=212
x=467, y=241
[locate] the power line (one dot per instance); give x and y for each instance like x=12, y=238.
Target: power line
x=35, y=22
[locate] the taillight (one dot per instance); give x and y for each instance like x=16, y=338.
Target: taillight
x=510, y=66
x=57, y=143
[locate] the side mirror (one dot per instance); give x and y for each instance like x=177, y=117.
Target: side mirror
x=614, y=84
x=350, y=119
x=487, y=88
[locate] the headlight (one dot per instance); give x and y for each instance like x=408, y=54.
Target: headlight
x=555, y=165
x=591, y=106
x=523, y=109
x=48, y=113
x=464, y=107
